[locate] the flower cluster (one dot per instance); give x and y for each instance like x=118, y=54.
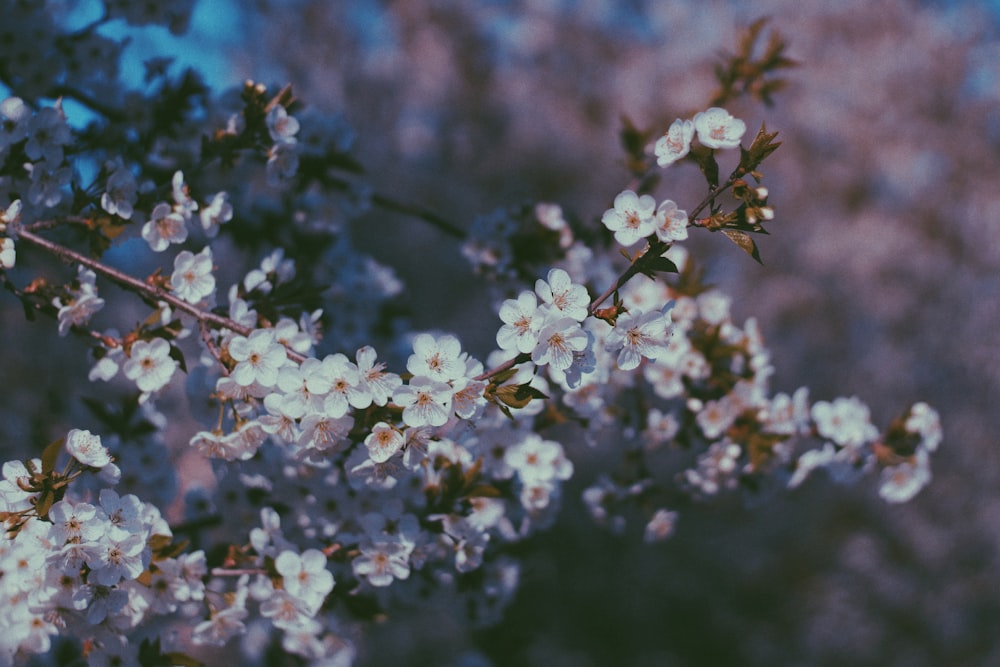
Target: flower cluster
x=715, y=127
x=95, y=566
x=338, y=486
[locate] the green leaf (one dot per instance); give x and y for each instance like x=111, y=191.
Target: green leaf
x=50, y=454
x=178, y=356
x=503, y=376
x=518, y=396
x=484, y=491
x=743, y=240
x=705, y=157
x=659, y=264
x=46, y=499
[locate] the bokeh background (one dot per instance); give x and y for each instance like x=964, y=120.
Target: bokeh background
x=881, y=279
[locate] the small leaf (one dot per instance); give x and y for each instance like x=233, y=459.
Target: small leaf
x=508, y=396
x=743, y=240
x=503, y=376
x=705, y=157
x=660, y=264
x=178, y=356
x=50, y=454
x=176, y=659
x=472, y=473
x=529, y=392
x=44, y=503
x=484, y=491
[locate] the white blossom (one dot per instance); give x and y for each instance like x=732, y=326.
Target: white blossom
x=718, y=129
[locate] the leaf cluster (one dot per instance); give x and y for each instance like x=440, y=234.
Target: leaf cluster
x=749, y=70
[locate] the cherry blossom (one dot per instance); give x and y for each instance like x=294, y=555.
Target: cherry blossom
x=631, y=219
x=380, y=563
x=399, y=486
x=718, y=129
x=639, y=335
x=675, y=144
x=522, y=322
x=150, y=365
x=120, y=193
x=562, y=296
x=164, y=227
x=558, y=342
x=86, y=448
x=436, y=358
x=383, y=442
x=425, y=401
x=192, y=279
x=258, y=358
x=671, y=222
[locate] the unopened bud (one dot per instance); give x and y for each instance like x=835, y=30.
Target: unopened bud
x=761, y=192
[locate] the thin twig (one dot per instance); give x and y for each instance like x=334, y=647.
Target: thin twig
x=140, y=287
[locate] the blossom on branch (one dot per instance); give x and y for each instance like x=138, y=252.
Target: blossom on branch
x=675, y=144
x=718, y=129
x=150, y=365
x=192, y=278
x=631, y=219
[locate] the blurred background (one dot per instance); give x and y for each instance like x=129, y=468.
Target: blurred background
x=881, y=279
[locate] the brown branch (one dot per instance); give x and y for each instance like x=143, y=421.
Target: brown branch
x=143, y=288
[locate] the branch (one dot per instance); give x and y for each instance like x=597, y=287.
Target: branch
x=140, y=287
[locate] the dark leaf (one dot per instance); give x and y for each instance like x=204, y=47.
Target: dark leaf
x=178, y=356
x=705, y=157
x=46, y=499
x=743, y=240
x=659, y=264
x=50, y=454
x=503, y=376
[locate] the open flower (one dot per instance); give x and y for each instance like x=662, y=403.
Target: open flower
x=150, y=365
x=639, y=335
x=557, y=342
x=425, y=402
x=86, y=448
x=192, y=278
x=164, y=227
x=718, y=129
x=522, y=321
x=671, y=222
x=675, y=144
x=258, y=358
x=631, y=219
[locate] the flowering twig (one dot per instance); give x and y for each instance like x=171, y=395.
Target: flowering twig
x=138, y=286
